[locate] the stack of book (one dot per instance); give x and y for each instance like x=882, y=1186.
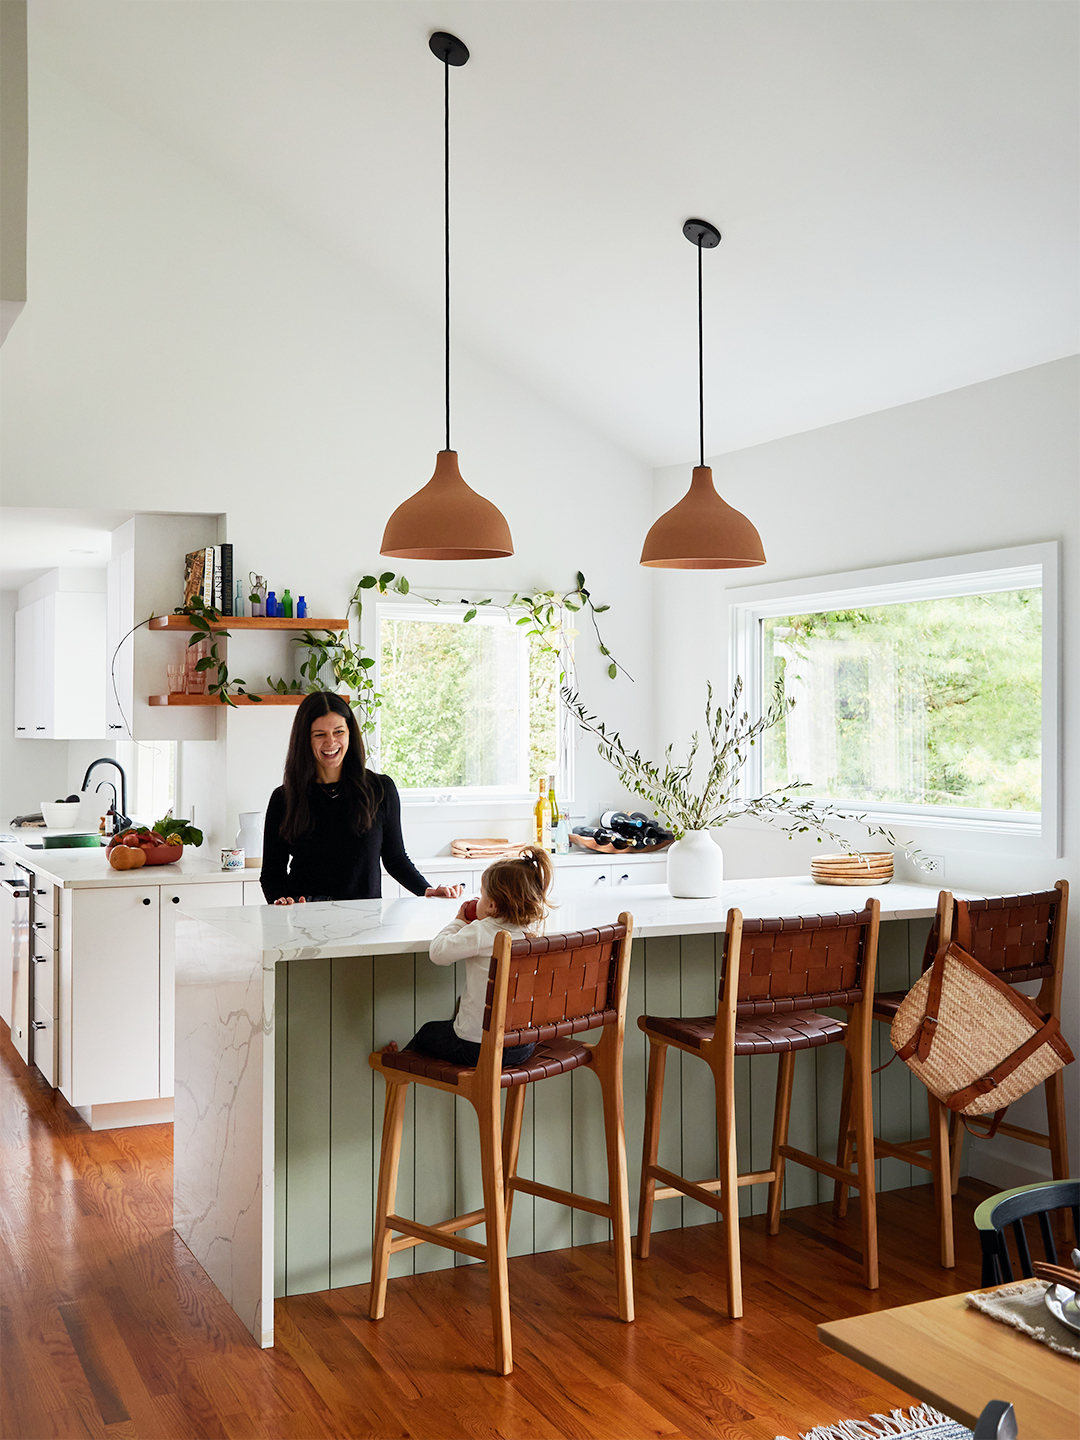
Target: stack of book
x=208, y=573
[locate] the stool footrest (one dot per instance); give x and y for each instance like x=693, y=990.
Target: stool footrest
x=906, y=1150
x=691, y=1187
x=433, y=1234
x=562, y=1197
x=823, y=1167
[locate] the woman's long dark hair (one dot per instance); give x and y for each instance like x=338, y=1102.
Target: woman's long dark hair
x=361, y=789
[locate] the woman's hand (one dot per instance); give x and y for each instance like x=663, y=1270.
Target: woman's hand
x=444, y=892
x=288, y=900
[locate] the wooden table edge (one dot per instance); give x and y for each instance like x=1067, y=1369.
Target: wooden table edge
x=833, y=1334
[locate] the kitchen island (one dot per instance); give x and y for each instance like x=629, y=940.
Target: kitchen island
x=278, y=1115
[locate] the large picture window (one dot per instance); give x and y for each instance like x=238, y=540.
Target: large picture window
x=469, y=709
x=928, y=692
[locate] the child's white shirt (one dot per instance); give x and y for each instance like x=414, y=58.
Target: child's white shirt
x=474, y=942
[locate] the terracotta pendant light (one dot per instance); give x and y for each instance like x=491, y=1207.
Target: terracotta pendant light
x=446, y=520
x=702, y=532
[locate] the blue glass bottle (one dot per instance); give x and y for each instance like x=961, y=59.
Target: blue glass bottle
x=271, y=604
x=301, y=608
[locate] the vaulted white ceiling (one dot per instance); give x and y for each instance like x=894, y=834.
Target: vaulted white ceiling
x=895, y=182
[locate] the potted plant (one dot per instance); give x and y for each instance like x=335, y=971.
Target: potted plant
x=695, y=797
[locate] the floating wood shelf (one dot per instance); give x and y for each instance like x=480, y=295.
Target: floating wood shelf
x=236, y=699
x=249, y=622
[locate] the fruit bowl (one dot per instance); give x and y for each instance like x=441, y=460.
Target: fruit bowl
x=154, y=849
x=60, y=814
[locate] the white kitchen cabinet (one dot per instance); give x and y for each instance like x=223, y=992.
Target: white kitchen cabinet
x=574, y=878
x=174, y=899
x=110, y=996
x=60, y=666
x=7, y=938
x=253, y=893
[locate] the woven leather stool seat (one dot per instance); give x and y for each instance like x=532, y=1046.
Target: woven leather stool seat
x=763, y=1035
x=556, y=1058
x=887, y=1003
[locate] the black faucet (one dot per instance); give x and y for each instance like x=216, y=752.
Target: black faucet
x=108, y=760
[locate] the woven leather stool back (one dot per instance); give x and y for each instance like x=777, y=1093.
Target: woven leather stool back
x=560, y=985
x=1012, y=935
x=801, y=962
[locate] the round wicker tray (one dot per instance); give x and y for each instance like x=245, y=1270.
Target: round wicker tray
x=852, y=869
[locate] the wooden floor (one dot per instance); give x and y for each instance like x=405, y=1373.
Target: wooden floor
x=110, y=1327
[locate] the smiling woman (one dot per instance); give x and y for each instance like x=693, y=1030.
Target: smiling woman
x=333, y=821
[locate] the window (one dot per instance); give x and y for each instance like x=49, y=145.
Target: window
x=924, y=692
x=469, y=709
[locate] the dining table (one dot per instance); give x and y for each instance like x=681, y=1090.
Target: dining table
x=954, y=1357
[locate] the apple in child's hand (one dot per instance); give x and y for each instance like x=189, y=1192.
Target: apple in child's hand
x=469, y=909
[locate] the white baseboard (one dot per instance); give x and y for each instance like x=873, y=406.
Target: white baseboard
x=127, y=1112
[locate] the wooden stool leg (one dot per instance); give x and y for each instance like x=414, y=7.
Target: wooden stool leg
x=863, y=1107
x=495, y=1226
x=511, y=1142
x=654, y=1100
x=957, y=1132
x=610, y=1076
x=843, y=1144
x=1055, y=1119
x=781, y=1116
x=939, y=1153
x=729, y=1174
x=393, y=1122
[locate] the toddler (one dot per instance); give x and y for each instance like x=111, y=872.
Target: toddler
x=513, y=897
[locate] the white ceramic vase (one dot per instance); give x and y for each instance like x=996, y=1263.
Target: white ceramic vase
x=695, y=866
x=249, y=838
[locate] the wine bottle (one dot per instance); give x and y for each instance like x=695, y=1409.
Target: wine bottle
x=542, y=812
x=553, y=819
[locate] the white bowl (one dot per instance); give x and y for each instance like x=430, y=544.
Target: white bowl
x=60, y=815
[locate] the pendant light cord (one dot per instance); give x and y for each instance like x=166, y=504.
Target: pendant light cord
x=446, y=184
x=700, y=365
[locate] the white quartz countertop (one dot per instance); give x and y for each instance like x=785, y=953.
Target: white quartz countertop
x=388, y=927
x=88, y=869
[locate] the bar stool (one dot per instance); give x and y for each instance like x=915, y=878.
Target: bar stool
x=540, y=991
x=784, y=970
x=1020, y=938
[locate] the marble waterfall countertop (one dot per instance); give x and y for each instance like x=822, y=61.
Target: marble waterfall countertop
x=232, y=998
x=326, y=930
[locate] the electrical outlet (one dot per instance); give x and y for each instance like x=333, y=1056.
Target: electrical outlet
x=932, y=866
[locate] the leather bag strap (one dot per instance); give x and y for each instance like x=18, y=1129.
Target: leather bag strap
x=962, y=1098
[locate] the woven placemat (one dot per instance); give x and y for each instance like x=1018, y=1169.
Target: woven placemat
x=921, y=1420
x=1023, y=1306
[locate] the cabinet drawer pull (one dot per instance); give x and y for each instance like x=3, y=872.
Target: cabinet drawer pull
x=176, y=899
x=38, y=1025
x=601, y=879
x=20, y=727
x=146, y=900
x=39, y=727
x=41, y=892
x=40, y=925
x=39, y=959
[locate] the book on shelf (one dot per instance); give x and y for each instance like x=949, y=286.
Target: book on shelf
x=208, y=576
x=194, y=563
x=223, y=578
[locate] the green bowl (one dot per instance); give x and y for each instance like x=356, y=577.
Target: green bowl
x=71, y=842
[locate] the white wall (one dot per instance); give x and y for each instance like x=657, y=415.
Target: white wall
x=985, y=467
x=187, y=350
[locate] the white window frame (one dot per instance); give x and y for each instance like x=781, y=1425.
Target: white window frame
x=473, y=795
x=990, y=571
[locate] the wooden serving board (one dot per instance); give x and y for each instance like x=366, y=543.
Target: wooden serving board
x=843, y=880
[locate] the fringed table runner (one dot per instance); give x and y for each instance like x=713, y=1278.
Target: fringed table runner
x=921, y=1420
x=1022, y=1306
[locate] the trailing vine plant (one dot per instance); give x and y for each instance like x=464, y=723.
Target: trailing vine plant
x=203, y=618
x=545, y=613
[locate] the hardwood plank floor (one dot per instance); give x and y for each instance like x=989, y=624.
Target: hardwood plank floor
x=110, y=1328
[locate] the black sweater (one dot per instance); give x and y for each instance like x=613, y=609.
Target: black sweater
x=332, y=860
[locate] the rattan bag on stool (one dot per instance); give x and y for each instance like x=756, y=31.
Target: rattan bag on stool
x=974, y=1041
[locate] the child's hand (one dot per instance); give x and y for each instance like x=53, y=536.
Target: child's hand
x=468, y=911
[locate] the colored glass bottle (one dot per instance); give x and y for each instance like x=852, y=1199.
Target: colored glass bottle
x=271, y=604
x=301, y=608
x=286, y=605
x=238, y=602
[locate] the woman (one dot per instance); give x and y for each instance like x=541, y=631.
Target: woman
x=334, y=820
